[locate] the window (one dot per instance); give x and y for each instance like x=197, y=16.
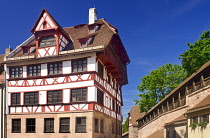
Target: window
x=91, y=28
x=79, y=65
x=54, y=96
x=55, y=68
x=16, y=72
x=81, y=124
x=194, y=120
x=25, y=50
x=83, y=43
x=30, y=125
x=100, y=97
x=49, y=125
x=113, y=105
x=47, y=41
x=31, y=98
x=100, y=69
x=16, y=125
x=34, y=70
x=109, y=79
x=102, y=126
x=64, y=125
x=15, y=98
x=79, y=95
x=96, y=125
x=204, y=118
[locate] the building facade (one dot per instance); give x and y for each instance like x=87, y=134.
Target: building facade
x=133, y=115
x=2, y=98
x=183, y=113
x=66, y=82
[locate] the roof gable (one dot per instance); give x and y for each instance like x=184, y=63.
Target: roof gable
x=44, y=21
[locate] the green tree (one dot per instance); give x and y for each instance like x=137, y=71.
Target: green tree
x=197, y=55
x=125, y=125
x=155, y=86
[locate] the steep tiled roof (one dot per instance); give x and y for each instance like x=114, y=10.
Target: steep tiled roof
x=103, y=35
x=205, y=103
x=157, y=134
x=135, y=114
x=1, y=68
x=2, y=58
x=181, y=118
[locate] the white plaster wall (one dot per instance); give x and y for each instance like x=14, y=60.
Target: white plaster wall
x=42, y=97
x=91, y=62
x=44, y=70
x=92, y=94
x=21, y=98
x=24, y=72
x=8, y=99
x=66, y=96
x=66, y=67
x=52, y=87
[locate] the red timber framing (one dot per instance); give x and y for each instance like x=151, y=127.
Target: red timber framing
x=47, y=26
x=50, y=81
x=67, y=107
x=64, y=107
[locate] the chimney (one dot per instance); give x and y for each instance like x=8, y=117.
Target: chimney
x=8, y=50
x=92, y=15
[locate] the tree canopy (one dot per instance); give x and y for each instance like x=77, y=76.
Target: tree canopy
x=125, y=125
x=155, y=86
x=197, y=55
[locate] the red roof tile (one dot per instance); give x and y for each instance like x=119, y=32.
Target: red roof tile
x=135, y=114
x=205, y=103
x=157, y=134
x=178, y=119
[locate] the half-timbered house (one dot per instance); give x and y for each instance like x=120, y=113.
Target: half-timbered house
x=66, y=82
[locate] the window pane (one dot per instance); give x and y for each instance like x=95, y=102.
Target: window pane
x=55, y=68
x=16, y=125
x=55, y=96
x=64, y=124
x=30, y=125
x=79, y=94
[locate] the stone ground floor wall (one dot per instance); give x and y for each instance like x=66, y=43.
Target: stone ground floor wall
x=39, y=133
x=133, y=131
x=159, y=122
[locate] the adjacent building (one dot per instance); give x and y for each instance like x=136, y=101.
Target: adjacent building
x=66, y=82
x=2, y=98
x=183, y=113
x=133, y=115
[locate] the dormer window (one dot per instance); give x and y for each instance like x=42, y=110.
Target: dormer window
x=86, y=41
x=91, y=28
x=83, y=43
x=47, y=41
x=25, y=50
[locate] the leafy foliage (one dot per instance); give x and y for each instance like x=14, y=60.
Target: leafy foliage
x=197, y=55
x=155, y=86
x=125, y=125
x=202, y=124
x=193, y=125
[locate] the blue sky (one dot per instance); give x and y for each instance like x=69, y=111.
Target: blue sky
x=154, y=32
